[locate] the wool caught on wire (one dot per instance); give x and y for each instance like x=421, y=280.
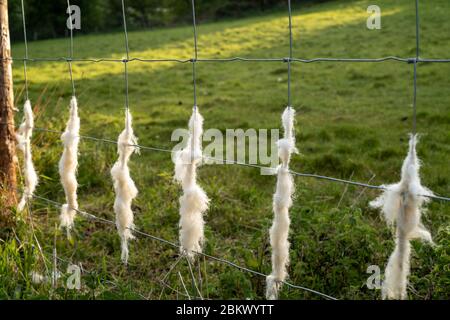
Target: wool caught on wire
x=194, y=201
x=68, y=166
x=23, y=137
x=402, y=205
x=282, y=201
x=124, y=186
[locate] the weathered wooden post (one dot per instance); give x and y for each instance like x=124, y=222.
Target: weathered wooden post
x=8, y=190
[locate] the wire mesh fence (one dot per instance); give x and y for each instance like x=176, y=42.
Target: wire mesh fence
x=414, y=61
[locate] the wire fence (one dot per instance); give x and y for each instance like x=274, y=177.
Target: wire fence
x=194, y=60
x=415, y=60
x=244, y=164
x=91, y=216
x=233, y=59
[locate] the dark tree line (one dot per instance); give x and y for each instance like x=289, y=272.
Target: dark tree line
x=47, y=18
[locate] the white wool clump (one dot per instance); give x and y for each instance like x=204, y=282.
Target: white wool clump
x=38, y=278
x=402, y=205
x=124, y=186
x=68, y=166
x=282, y=201
x=23, y=137
x=194, y=201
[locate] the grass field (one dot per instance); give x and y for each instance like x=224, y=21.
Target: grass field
x=353, y=122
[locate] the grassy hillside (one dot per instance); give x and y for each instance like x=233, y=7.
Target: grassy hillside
x=353, y=122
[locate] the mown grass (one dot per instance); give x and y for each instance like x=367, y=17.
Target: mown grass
x=353, y=121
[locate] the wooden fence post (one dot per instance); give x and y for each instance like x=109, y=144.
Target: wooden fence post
x=8, y=158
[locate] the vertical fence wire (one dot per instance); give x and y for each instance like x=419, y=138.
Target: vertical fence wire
x=416, y=60
x=417, y=30
x=26, y=50
x=414, y=120
x=194, y=79
x=127, y=59
x=69, y=61
x=290, y=54
x=194, y=59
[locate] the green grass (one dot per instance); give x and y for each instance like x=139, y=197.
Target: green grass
x=353, y=121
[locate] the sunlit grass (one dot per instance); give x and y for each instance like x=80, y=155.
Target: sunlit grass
x=239, y=40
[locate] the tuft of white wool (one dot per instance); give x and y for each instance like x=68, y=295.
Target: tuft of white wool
x=402, y=206
x=68, y=166
x=124, y=186
x=282, y=201
x=194, y=201
x=37, y=278
x=397, y=270
x=23, y=137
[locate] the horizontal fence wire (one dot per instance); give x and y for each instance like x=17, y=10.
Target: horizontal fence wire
x=239, y=163
x=232, y=59
x=91, y=216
